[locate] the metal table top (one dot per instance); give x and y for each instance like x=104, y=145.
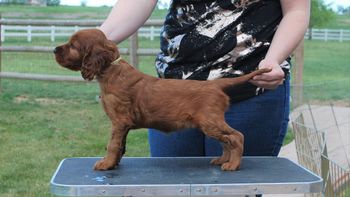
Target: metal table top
x=182, y=176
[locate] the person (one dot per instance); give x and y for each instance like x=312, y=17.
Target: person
x=208, y=39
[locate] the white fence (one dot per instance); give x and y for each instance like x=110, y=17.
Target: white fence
x=52, y=32
x=329, y=34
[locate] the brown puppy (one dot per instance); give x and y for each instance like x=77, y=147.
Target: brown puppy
x=132, y=99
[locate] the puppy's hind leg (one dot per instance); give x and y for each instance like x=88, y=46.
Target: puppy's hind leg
x=232, y=141
x=225, y=157
x=235, y=140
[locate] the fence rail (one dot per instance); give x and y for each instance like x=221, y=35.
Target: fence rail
x=41, y=22
x=40, y=77
x=52, y=32
x=56, y=28
x=42, y=49
x=52, y=29
x=340, y=35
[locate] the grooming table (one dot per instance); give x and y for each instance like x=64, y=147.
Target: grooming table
x=182, y=176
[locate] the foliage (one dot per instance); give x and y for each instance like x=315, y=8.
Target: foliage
x=321, y=14
x=53, y=2
x=13, y=2
x=340, y=22
x=163, y=4
x=343, y=10
x=83, y=3
x=53, y=12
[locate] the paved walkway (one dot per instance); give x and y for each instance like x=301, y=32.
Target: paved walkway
x=336, y=125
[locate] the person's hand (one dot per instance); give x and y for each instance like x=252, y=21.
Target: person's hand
x=270, y=80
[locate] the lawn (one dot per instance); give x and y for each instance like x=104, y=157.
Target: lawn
x=61, y=12
x=326, y=71
x=43, y=122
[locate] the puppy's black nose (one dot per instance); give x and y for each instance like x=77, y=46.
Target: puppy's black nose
x=57, y=50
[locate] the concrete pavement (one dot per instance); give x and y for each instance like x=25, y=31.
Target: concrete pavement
x=335, y=123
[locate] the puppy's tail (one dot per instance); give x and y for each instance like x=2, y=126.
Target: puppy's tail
x=224, y=83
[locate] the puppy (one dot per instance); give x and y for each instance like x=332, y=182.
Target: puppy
x=133, y=100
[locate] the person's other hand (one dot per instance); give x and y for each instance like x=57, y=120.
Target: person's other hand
x=270, y=80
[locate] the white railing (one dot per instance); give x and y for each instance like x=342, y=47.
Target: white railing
x=52, y=32
x=329, y=35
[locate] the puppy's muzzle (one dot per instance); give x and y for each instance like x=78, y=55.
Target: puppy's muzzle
x=57, y=50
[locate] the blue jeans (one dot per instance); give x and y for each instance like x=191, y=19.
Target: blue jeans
x=263, y=121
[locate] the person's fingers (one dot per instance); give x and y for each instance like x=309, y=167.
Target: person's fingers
x=267, y=84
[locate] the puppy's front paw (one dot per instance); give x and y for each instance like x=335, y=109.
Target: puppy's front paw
x=219, y=161
x=104, y=164
x=230, y=166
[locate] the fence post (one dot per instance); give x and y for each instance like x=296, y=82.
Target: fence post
x=341, y=36
x=297, y=94
x=134, y=45
x=53, y=33
x=2, y=33
x=152, y=33
x=29, y=33
x=0, y=52
x=325, y=170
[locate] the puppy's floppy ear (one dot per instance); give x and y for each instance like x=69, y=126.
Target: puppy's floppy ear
x=97, y=59
x=111, y=46
x=91, y=63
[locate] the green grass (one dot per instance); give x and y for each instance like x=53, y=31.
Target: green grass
x=44, y=63
x=62, y=12
x=43, y=122
x=325, y=61
x=326, y=71
x=340, y=22
x=289, y=136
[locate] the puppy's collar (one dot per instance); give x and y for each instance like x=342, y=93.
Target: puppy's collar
x=117, y=60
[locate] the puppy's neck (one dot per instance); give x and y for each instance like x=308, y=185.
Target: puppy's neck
x=117, y=60
x=120, y=76
x=119, y=69
x=103, y=72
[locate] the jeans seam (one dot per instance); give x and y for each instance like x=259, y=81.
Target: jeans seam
x=286, y=99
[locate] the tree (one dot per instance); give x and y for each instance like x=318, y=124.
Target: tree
x=162, y=4
x=83, y=3
x=343, y=10
x=53, y=2
x=321, y=15
x=13, y=1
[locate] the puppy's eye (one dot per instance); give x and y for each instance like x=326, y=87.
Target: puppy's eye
x=71, y=46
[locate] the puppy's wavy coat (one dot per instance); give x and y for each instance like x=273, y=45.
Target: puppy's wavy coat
x=133, y=100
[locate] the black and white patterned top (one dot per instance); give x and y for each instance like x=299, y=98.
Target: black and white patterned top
x=206, y=39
